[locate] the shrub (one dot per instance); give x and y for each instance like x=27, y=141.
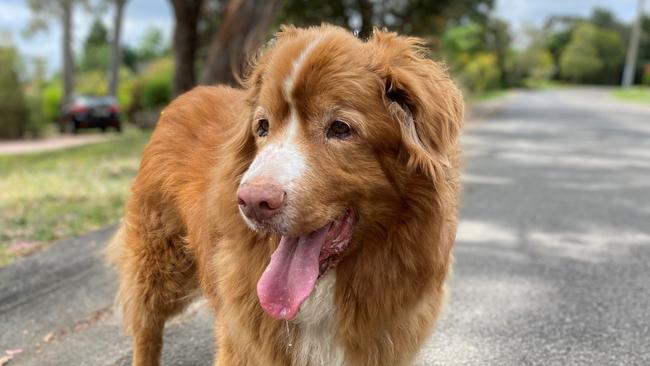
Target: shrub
x=156, y=85
x=91, y=83
x=482, y=73
x=156, y=92
x=36, y=122
x=13, y=107
x=531, y=67
x=594, y=55
x=51, y=102
x=645, y=80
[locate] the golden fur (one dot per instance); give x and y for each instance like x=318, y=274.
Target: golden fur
x=183, y=234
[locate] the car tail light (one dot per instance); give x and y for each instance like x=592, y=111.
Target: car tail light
x=115, y=108
x=77, y=108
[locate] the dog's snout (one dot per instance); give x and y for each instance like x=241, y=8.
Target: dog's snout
x=260, y=202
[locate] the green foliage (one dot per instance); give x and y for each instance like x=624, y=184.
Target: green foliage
x=478, y=54
x=482, y=73
x=51, y=102
x=97, y=51
x=611, y=51
x=580, y=61
x=420, y=17
x=594, y=55
x=151, y=46
x=13, y=107
x=154, y=89
x=531, y=67
x=36, y=123
x=601, y=36
x=645, y=80
x=462, y=42
x=97, y=36
x=93, y=82
x=95, y=58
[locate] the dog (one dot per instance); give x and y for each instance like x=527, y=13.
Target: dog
x=315, y=208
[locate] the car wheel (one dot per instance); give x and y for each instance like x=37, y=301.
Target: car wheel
x=118, y=128
x=103, y=128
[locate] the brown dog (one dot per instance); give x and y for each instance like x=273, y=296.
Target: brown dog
x=315, y=209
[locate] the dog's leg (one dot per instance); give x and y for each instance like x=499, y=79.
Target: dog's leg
x=157, y=281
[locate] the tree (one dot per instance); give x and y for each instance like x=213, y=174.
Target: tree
x=152, y=45
x=498, y=41
x=13, y=108
x=116, y=48
x=611, y=51
x=43, y=11
x=420, y=17
x=580, y=59
x=96, y=48
x=242, y=31
x=187, y=13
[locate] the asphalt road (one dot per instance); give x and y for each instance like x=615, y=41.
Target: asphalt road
x=552, y=257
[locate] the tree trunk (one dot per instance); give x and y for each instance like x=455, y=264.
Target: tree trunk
x=116, y=52
x=68, y=61
x=242, y=31
x=186, y=41
x=365, y=8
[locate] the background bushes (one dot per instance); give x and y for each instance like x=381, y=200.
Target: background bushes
x=13, y=105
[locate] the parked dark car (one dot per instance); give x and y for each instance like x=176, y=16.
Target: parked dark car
x=90, y=112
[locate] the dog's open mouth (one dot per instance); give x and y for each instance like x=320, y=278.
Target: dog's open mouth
x=297, y=264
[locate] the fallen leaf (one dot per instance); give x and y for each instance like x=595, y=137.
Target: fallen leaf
x=21, y=247
x=13, y=352
x=48, y=337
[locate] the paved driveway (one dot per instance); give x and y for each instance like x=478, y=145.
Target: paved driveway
x=552, y=258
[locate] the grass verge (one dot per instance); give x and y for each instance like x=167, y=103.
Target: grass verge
x=60, y=194
x=636, y=94
x=488, y=95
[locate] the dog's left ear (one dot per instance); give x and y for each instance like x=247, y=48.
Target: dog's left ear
x=421, y=97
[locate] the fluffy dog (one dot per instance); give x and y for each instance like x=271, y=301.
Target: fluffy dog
x=315, y=209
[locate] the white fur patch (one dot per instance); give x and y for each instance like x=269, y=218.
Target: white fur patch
x=317, y=322
x=280, y=163
x=297, y=66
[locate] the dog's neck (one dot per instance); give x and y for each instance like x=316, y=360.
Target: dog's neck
x=315, y=343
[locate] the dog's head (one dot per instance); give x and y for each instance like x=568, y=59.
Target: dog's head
x=339, y=127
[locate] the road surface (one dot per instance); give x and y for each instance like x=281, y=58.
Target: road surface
x=552, y=257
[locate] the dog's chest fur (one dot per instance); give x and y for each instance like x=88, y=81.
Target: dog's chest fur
x=316, y=344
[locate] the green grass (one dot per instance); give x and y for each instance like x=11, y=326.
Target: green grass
x=488, y=95
x=636, y=94
x=60, y=194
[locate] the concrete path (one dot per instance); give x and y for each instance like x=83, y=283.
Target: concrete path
x=49, y=144
x=552, y=257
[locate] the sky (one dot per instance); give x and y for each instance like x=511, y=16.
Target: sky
x=143, y=14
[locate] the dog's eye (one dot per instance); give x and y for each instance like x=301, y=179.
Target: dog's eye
x=262, y=127
x=339, y=130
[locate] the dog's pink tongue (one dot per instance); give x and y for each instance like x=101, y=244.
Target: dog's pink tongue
x=291, y=275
